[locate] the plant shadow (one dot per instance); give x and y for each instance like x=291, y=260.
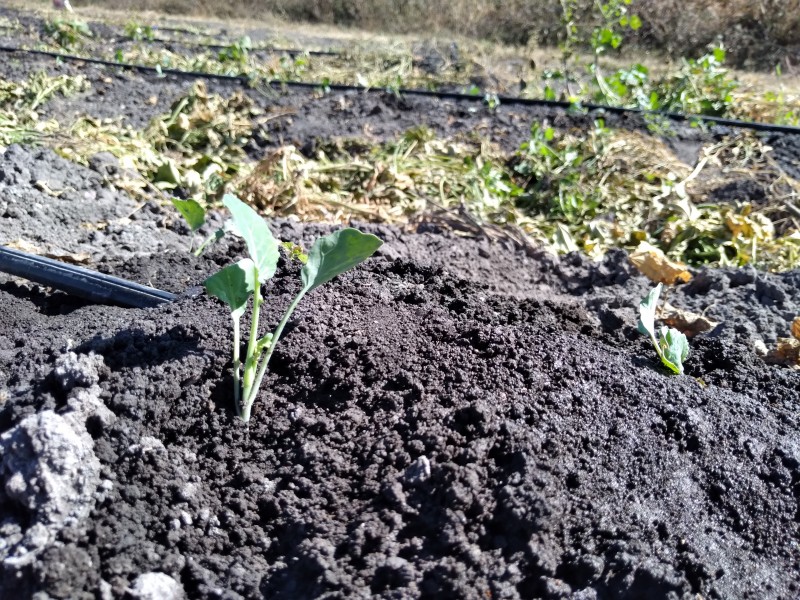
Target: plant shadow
x=136, y=348
x=48, y=303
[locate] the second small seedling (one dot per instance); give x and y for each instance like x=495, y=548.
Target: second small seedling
x=670, y=344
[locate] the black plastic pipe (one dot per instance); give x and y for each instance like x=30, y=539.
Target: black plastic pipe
x=508, y=100
x=77, y=281
x=255, y=50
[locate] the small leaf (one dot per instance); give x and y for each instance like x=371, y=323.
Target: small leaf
x=647, y=311
x=635, y=22
x=336, y=253
x=261, y=245
x=674, y=348
x=563, y=240
x=191, y=211
x=233, y=285
x=168, y=173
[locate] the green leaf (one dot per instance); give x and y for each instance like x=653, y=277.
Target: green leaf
x=191, y=211
x=563, y=240
x=674, y=348
x=261, y=245
x=647, y=312
x=168, y=173
x=335, y=254
x=233, y=285
x=635, y=22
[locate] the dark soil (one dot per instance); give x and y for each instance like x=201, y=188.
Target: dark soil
x=454, y=419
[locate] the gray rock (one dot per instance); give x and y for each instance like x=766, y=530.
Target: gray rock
x=51, y=472
x=77, y=370
x=156, y=586
x=418, y=472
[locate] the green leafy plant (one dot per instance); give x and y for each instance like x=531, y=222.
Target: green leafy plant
x=67, y=34
x=611, y=18
x=329, y=256
x=138, y=32
x=670, y=344
x=237, y=52
x=703, y=86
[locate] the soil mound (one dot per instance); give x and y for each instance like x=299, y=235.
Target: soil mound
x=454, y=419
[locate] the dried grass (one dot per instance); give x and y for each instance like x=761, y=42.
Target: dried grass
x=759, y=32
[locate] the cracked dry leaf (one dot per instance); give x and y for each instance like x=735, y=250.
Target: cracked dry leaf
x=685, y=321
x=655, y=265
x=786, y=352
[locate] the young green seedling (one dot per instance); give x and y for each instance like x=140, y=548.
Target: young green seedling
x=670, y=344
x=192, y=213
x=330, y=256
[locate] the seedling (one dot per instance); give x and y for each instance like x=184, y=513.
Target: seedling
x=192, y=213
x=329, y=256
x=670, y=344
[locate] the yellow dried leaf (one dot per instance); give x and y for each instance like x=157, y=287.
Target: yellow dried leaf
x=796, y=328
x=753, y=226
x=654, y=265
x=23, y=246
x=77, y=258
x=786, y=352
x=685, y=321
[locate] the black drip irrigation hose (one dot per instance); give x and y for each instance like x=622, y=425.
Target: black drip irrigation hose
x=507, y=100
x=77, y=281
x=255, y=50
x=185, y=30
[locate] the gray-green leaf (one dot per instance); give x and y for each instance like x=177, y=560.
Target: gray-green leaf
x=168, y=173
x=647, y=312
x=233, y=285
x=261, y=245
x=674, y=348
x=191, y=211
x=334, y=254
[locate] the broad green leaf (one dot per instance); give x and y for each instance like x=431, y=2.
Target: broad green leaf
x=233, y=285
x=675, y=348
x=335, y=254
x=168, y=173
x=261, y=245
x=647, y=312
x=191, y=211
